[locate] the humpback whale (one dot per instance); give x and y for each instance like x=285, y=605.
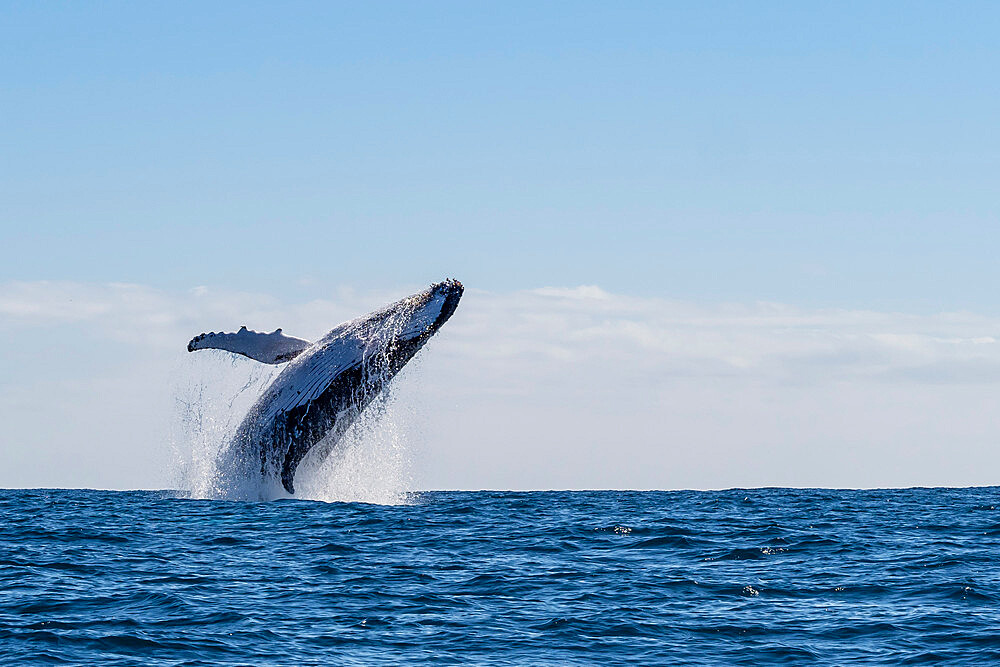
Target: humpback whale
x=328, y=383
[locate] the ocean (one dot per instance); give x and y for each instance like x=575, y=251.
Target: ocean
x=735, y=577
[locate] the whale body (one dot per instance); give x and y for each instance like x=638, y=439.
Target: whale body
x=328, y=383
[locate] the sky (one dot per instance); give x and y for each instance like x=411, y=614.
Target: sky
x=706, y=244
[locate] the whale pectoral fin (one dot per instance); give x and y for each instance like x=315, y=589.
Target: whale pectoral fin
x=270, y=348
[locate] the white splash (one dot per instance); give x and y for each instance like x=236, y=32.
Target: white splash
x=213, y=393
x=369, y=464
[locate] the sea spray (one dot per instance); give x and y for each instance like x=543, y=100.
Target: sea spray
x=213, y=393
x=367, y=463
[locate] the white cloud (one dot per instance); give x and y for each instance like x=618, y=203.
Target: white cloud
x=581, y=292
x=549, y=388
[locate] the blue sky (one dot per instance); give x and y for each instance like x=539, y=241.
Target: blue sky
x=706, y=244
x=818, y=154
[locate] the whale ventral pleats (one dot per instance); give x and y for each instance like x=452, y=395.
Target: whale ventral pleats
x=269, y=348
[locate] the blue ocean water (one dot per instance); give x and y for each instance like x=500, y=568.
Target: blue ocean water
x=749, y=577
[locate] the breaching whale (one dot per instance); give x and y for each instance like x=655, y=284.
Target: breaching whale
x=328, y=383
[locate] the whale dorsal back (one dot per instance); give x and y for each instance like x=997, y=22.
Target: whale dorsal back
x=270, y=348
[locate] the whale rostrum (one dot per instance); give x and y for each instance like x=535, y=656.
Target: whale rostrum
x=326, y=384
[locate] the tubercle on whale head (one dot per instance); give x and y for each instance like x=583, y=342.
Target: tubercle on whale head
x=427, y=310
x=449, y=288
x=452, y=291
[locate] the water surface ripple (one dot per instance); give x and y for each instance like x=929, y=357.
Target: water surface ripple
x=761, y=576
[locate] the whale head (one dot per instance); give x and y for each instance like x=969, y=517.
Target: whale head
x=428, y=310
x=401, y=328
